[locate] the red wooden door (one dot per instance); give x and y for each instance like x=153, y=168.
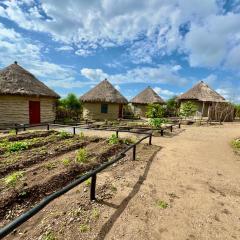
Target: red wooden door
x=34, y=112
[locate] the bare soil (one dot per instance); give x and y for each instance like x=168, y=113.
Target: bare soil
x=188, y=190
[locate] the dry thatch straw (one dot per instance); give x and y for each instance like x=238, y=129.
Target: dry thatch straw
x=104, y=92
x=15, y=80
x=147, y=96
x=202, y=92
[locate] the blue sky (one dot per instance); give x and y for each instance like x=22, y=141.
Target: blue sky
x=169, y=45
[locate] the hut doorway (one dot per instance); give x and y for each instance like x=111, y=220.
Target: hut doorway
x=120, y=114
x=34, y=112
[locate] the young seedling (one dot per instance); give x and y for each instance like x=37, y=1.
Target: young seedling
x=113, y=139
x=95, y=213
x=64, y=134
x=17, y=146
x=81, y=156
x=12, y=179
x=88, y=182
x=81, y=134
x=66, y=162
x=84, y=228
x=161, y=204
x=50, y=166
x=49, y=236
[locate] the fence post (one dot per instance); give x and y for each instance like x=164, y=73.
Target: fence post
x=16, y=130
x=161, y=132
x=24, y=127
x=74, y=130
x=48, y=127
x=150, y=139
x=117, y=133
x=134, y=152
x=179, y=125
x=93, y=188
x=171, y=128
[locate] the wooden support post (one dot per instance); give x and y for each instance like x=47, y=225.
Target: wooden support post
x=150, y=139
x=171, y=128
x=48, y=127
x=117, y=133
x=93, y=188
x=161, y=132
x=24, y=127
x=16, y=130
x=74, y=130
x=179, y=125
x=134, y=152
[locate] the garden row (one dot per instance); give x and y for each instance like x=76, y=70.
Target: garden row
x=34, y=165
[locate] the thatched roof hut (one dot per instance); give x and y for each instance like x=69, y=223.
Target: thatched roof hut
x=203, y=96
x=23, y=98
x=140, y=102
x=104, y=92
x=147, y=96
x=202, y=92
x=15, y=80
x=103, y=102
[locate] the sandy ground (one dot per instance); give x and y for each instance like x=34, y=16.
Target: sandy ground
x=195, y=172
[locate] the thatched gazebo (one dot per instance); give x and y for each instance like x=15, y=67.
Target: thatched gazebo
x=143, y=99
x=203, y=96
x=24, y=99
x=103, y=102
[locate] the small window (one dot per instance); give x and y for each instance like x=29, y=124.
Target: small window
x=104, y=108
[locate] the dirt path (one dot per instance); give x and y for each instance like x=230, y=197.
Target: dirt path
x=198, y=175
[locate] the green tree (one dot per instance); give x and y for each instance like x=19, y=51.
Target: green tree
x=237, y=110
x=171, y=107
x=155, y=111
x=69, y=108
x=188, y=109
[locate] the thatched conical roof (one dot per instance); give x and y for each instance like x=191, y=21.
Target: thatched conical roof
x=202, y=92
x=147, y=96
x=15, y=80
x=104, y=92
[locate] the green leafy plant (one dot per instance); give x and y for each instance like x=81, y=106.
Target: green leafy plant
x=84, y=228
x=17, y=146
x=162, y=204
x=172, y=107
x=113, y=139
x=81, y=134
x=236, y=143
x=129, y=141
x=88, y=182
x=188, y=109
x=64, y=134
x=12, y=132
x=66, y=162
x=156, y=122
x=12, y=179
x=155, y=111
x=81, y=156
x=50, y=165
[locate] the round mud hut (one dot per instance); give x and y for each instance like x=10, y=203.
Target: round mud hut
x=141, y=101
x=103, y=102
x=24, y=99
x=202, y=96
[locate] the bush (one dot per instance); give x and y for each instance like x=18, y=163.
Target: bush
x=64, y=134
x=157, y=122
x=188, y=109
x=171, y=107
x=155, y=111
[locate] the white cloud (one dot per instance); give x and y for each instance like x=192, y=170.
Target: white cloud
x=83, y=52
x=210, y=79
x=229, y=93
x=163, y=74
x=13, y=46
x=117, y=87
x=64, y=48
x=164, y=92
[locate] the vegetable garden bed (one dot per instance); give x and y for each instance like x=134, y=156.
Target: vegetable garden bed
x=34, y=165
